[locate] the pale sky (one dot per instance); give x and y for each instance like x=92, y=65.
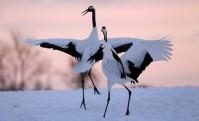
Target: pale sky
x=147, y=19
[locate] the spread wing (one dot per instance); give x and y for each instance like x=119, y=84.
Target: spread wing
x=64, y=45
x=144, y=52
x=158, y=49
x=120, y=44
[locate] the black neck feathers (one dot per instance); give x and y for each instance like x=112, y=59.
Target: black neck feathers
x=105, y=36
x=93, y=18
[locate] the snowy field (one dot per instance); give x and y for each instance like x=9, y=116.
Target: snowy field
x=149, y=104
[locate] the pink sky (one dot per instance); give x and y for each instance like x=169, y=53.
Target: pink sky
x=147, y=19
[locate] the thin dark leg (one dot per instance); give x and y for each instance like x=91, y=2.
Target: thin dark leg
x=83, y=100
x=108, y=99
x=95, y=88
x=127, y=111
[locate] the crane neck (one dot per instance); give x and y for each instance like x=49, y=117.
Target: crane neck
x=105, y=36
x=93, y=19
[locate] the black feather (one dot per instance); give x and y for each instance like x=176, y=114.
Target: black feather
x=117, y=58
x=136, y=71
x=71, y=50
x=123, y=48
x=97, y=56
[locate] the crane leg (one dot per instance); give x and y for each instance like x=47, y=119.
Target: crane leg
x=83, y=99
x=108, y=100
x=127, y=111
x=95, y=88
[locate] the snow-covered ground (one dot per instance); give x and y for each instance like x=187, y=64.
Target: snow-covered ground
x=149, y=104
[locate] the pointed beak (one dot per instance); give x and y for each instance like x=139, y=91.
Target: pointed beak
x=84, y=12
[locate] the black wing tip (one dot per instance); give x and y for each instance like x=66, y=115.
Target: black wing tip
x=45, y=45
x=123, y=48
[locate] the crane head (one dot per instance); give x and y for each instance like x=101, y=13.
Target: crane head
x=89, y=9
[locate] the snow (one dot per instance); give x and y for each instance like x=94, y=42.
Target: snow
x=147, y=104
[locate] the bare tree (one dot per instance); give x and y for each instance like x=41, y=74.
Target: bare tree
x=22, y=66
x=3, y=51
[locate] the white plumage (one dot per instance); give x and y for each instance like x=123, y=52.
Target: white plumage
x=142, y=53
x=113, y=69
x=159, y=49
x=134, y=60
x=61, y=42
x=145, y=52
x=85, y=48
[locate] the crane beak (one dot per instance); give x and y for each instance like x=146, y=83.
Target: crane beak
x=84, y=12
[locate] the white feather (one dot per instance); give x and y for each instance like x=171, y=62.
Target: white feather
x=86, y=47
x=158, y=49
x=111, y=67
x=56, y=41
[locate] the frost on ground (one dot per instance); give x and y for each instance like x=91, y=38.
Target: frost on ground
x=150, y=104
